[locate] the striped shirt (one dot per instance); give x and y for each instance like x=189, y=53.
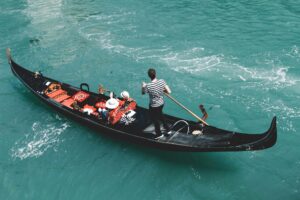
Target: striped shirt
x=156, y=91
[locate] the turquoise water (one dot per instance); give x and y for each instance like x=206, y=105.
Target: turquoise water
x=240, y=59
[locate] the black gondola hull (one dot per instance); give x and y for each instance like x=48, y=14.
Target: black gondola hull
x=212, y=140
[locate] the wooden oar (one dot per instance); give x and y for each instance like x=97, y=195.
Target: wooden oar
x=178, y=103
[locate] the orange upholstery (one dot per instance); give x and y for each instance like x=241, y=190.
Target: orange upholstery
x=68, y=102
x=61, y=97
x=100, y=104
x=55, y=93
x=90, y=110
x=52, y=88
x=116, y=114
x=80, y=96
x=96, y=114
x=89, y=107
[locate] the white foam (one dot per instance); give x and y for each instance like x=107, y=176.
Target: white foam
x=111, y=18
x=288, y=114
x=40, y=11
x=198, y=62
x=183, y=62
x=275, y=78
x=195, y=173
x=155, y=35
x=242, y=78
x=105, y=40
x=39, y=140
x=195, y=60
x=294, y=52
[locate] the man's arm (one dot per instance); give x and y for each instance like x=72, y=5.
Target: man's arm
x=143, y=88
x=205, y=116
x=167, y=89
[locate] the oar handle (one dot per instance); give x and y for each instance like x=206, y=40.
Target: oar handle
x=185, y=108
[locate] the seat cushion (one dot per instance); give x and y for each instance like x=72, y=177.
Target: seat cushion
x=55, y=93
x=80, y=96
x=68, y=102
x=61, y=97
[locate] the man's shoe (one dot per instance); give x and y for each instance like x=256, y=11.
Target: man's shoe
x=159, y=137
x=169, y=132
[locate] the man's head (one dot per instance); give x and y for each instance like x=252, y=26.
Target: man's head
x=201, y=107
x=152, y=73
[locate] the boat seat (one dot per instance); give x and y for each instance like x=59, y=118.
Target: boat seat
x=80, y=96
x=96, y=114
x=100, y=104
x=61, y=97
x=90, y=110
x=68, y=102
x=56, y=92
x=116, y=114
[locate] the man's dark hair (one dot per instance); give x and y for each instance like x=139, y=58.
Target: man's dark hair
x=152, y=73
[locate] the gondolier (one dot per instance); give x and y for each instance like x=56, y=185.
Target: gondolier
x=156, y=89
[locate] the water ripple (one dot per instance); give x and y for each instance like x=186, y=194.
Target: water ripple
x=39, y=140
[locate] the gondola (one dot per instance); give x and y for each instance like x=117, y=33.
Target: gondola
x=185, y=135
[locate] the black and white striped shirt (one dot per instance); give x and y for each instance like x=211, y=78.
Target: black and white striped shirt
x=156, y=92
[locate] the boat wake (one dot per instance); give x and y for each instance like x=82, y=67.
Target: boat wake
x=195, y=60
x=223, y=70
x=39, y=140
x=265, y=72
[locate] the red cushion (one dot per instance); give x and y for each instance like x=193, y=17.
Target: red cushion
x=62, y=97
x=68, y=102
x=80, y=96
x=89, y=107
x=116, y=114
x=100, y=104
x=55, y=93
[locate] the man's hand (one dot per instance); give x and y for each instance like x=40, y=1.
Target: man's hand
x=167, y=89
x=143, y=87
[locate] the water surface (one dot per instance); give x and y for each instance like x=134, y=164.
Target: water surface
x=240, y=59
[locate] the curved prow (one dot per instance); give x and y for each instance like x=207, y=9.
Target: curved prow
x=271, y=134
x=273, y=127
x=273, y=124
